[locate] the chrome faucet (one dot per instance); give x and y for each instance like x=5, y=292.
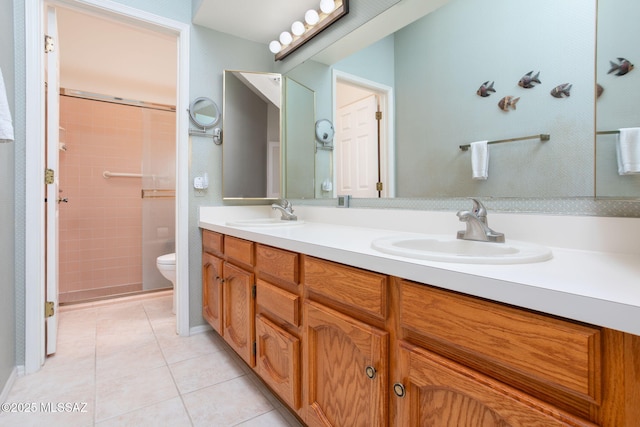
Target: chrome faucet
x=478, y=225
x=286, y=208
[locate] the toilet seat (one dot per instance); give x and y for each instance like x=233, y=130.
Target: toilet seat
x=168, y=259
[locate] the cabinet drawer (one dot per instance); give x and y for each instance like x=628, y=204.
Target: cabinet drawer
x=279, y=302
x=278, y=360
x=239, y=250
x=212, y=242
x=361, y=290
x=278, y=263
x=555, y=357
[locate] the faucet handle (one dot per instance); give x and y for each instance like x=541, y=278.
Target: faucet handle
x=478, y=208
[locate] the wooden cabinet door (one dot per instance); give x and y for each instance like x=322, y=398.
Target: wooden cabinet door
x=212, y=291
x=278, y=360
x=239, y=311
x=346, y=370
x=441, y=393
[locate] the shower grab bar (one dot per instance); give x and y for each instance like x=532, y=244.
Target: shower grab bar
x=108, y=174
x=158, y=194
x=543, y=137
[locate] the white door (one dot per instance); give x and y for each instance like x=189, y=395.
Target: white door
x=357, y=148
x=53, y=131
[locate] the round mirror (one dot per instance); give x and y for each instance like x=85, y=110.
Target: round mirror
x=324, y=131
x=204, y=112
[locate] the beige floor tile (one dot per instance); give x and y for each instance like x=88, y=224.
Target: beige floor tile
x=78, y=408
x=176, y=348
x=226, y=404
x=128, y=361
x=56, y=376
x=110, y=343
x=204, y=371
x=170, y=413
x=125, y=394
x=270, y=419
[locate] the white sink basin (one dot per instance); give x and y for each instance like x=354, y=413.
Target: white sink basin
x=450, y=249
x=263, y=222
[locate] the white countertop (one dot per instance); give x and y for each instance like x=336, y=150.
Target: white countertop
x=600, y=287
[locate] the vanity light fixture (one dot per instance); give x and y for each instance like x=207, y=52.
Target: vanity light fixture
x=314, y=22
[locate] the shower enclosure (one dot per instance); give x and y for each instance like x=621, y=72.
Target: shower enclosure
x=117, y=173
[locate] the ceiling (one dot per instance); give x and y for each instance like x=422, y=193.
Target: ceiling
x=256, y=20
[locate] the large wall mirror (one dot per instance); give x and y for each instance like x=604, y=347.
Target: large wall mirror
x=618, y=105
x=435, y=67
x=252, y=124
x=268, y=149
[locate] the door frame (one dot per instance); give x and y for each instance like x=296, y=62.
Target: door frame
x=387, y=125
x=35, y=162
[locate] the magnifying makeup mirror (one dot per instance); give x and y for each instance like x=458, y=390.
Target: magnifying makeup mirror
x=205, y=114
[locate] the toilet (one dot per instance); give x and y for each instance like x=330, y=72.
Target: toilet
x=167, y=266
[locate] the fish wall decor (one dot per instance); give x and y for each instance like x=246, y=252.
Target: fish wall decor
x=528, y=80
x=485, y=88
x=622, y=68
x=508, y=102
x=561, y=91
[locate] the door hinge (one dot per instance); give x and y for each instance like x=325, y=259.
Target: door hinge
x=255, y=348
x=378, y=115
x=48, y=44
x=378, y=186
x=49, y=176
x=253, y=291
x=49, y=309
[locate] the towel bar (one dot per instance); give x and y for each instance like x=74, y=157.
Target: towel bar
x=608, y=132
x=108, y=174
x=543, y=137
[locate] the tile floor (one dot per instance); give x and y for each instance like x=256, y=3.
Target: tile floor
x=123, y=364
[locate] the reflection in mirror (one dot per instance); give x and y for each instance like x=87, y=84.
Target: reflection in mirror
x=436, y=65
x=618, y=105
x=204, y=112
x=299, y=118
x=251, y=149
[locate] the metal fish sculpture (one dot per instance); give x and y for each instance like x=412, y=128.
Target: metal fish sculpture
x=485, y=89
x=561, y=91
x=622, y=68
x=508, y=101
x=599, y=90
x=527, y=80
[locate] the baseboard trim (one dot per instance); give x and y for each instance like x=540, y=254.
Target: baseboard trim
x=10, y=381
x=199, y=329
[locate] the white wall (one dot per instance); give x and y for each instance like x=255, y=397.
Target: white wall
x=7, y=205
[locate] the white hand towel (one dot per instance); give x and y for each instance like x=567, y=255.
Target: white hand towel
x=480, y=159
x=628, y=151
x=6, y=126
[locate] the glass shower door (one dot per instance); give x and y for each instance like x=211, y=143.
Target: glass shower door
x=158, y=194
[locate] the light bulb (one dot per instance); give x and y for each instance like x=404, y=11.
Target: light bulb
x=311, y=17
x=285, y=38
x=297, y=28
x=327, y=6
x=275, y=46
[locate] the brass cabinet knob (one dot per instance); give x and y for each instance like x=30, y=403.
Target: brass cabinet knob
x=370, y=371
x=399, y=390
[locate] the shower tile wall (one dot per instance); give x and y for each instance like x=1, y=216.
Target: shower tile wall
x=100, y=227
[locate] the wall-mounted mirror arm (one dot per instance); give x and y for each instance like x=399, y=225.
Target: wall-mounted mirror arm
x=205, y=114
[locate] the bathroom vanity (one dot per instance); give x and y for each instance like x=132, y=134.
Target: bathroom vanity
x=346, y=335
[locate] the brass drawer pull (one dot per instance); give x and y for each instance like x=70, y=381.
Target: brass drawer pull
x=399, y=390
x=370, y=371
